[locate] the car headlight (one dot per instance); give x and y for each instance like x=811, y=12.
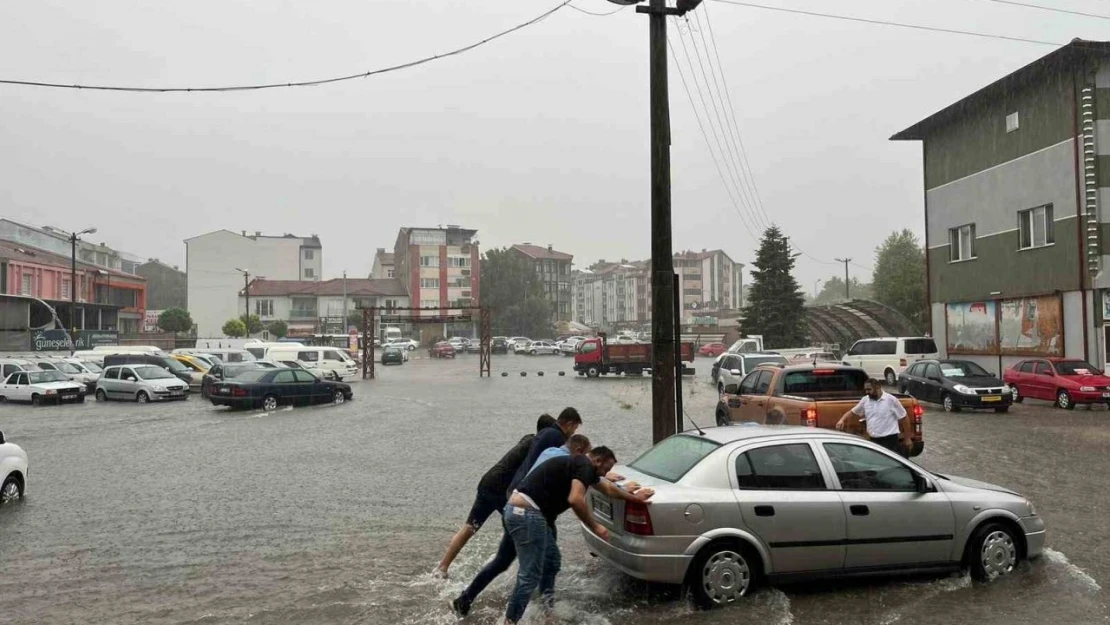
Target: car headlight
x=960, y=388
x=1087, y=389
x=51, y=391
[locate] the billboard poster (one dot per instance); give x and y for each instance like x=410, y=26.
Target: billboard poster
x=150, y=320
x=58, y=340
x=971, y=328
x=1031, y=326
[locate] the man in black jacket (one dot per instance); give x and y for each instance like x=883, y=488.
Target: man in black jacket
x=492, y=493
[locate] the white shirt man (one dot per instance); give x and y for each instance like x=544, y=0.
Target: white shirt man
x=884, y=417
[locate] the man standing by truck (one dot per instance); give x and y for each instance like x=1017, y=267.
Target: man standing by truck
x=884, y=417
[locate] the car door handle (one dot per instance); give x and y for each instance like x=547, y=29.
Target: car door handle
x=765, y=511
x=859, y=510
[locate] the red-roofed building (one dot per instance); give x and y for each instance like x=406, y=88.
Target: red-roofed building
x=318, y=307
x=553, y=267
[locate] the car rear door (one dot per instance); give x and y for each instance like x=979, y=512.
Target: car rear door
x=890, y=524
x=127, y=389
x=285, y=386
x=19, y=387
x=1043, y=381
x=314, y=390
x=786, y=501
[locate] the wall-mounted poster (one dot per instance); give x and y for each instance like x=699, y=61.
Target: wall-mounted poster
x=1031, y=326
x=971, y=328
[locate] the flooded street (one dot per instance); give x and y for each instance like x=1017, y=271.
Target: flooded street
x=187, y=514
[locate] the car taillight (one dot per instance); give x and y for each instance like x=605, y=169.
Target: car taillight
x=918, y=412
x=811, y=417
x=239, y=391
x=637, y=518
x=901, y=362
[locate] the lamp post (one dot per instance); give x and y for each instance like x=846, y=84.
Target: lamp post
x=73, y=238
x=246, y=294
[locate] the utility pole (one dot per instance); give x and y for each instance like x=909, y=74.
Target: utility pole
x=73, y=238
x=847, y=291
x=246, y=294
x=345, y=325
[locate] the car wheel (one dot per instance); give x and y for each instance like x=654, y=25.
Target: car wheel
x=1001, y=409
x=720, y=388
x=721, y=574
x=994, y=552
x=949, y=404
x=142, y=397
x=1017, y=396
x=1063, y=400
x=593, y=372
x=269, y=403
x=722, y=416
x=891, y=379
x=101, y=395
x=36, y=400
x=339, y=397
x=11, y=491
x=532, y=353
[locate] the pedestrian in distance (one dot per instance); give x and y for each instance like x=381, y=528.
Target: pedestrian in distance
x=492, y=494
x=884, y=417
x=550, y=437
x=554, y=487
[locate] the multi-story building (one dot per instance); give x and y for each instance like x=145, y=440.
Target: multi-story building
x=440, y=269
x=383, y=265
x=320, y=307
x=56, y=240
x=1014, y=178
x=165, y=285
x=607, y=295
x=213, y=261
x=553, y=268
x=710, y=282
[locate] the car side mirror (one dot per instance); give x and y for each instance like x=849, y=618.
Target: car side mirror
x=731, y=389
x=735, y=371
x=129, y=379
x=921, y=484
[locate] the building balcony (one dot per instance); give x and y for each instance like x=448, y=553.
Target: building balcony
x=303, y=314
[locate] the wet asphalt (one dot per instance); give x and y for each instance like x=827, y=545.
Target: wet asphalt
x=184, y=513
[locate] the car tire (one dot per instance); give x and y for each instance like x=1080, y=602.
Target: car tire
x=11, y=491
x=101, y=395
x=1063, y=400
x=722, y=416
x=339, y=397
x=949, y=404
x=593, y=372
x=532, y=353
x=1002, y=409
x=993, y=552
x=3, y=399
x=722, y=573
x=720, y=388
x=891, y=378
x=142, y=397
x=36, y=400
x=270, y=403
x=1017, y=396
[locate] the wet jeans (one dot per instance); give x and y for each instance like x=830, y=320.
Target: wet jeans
x=502, y=560
x=538, y=552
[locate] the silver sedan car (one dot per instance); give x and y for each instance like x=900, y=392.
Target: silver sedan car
x=739, y=504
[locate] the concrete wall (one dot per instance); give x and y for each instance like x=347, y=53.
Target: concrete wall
x=165, y=286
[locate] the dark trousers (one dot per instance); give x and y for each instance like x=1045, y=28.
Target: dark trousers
x=502, y=560
x=892, y=443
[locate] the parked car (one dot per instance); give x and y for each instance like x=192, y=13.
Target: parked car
x=712, y=349
x=737, y=506
x=9, y=366
x=167, y=362
x=13, y=472
x=499, y=345
x=72, y=371
x=1065, y=381
x=542, y=347
x=218, y=373
x=209, y=360
x=459, y=343
x=733, y=367
x=518, y=343
x=474, y=346
x=197, y=368
x=333, y=359
x=885, y=358
x=814, y=357
x=41, y=387
x=141, y=383
x=270, y=388
x=406, y=344
x=226, y=355
x=442, y=349
x=395, y=355
x=956, y=385
x=293, y=364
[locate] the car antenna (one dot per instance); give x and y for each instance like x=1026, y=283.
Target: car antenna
x=700, y=431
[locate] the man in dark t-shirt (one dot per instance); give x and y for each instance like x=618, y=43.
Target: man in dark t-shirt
x=491, y=495
x=554, y=487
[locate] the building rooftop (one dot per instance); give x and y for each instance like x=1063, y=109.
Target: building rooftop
x=541, y=253
x=309, y=241
x=10, y=250
x=356, y=287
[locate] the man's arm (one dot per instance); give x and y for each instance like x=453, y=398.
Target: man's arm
x=616, y=492
x=849, y=418
x=577, y=501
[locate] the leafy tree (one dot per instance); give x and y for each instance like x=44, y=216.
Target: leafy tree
x=253, y=324
x=899, y=279
x=279, y=329
x=774, y=305
x=832, y=291
x=175, y=320
x=235, y=328
x=512, y=290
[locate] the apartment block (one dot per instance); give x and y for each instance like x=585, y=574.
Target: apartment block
x=553, y=268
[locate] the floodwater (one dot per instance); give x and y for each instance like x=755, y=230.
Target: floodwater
x=188, y=514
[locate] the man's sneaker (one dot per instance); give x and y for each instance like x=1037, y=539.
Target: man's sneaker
x=461, y=606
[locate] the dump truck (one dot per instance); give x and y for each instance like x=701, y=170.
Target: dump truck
x=596, y=356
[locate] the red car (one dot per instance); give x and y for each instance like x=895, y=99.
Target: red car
x=1065, y=381
x=442, y=349
x=712, y=349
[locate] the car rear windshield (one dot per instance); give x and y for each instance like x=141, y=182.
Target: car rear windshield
x=672, y=458
x=1076, y=367
x=754, y=361
x=921, y=346
x=150, y=372
x=824, y=381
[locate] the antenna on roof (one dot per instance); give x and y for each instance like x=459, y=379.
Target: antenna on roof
x=692, y=421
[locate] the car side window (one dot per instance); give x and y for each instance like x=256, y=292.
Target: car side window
x=860, y=468
x=10, y=369
x=1043, y=369
x=885, y=348
x=333, y=356
x=308, y=356
x=21, y=378
x=779, y=467
x=854, y=350
x=1025, y=367
x=932, y=371
x=284, y=377
x=303, y=376
x=763, y=382
x=111, y=374
x=47, y=366
x=747, y=386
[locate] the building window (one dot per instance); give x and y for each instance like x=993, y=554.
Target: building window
x=1036, y=228
x=309, y=254
x=458, y=261
x=389, y=273
x=429, y=303
x=961, y=243
x=66, y=287
x=264, y=307
x=429, y=261
x=26, y=286
x=1012, y=122
x=309, y=272
x=429, y=283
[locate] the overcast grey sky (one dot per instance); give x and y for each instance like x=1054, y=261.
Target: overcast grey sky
x=541, y=136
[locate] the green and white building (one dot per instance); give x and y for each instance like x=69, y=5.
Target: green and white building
x=1016, y=179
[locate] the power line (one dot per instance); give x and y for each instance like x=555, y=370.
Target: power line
x=1053, y=9
x=305, y=83
x=613, y=12
x=862, y=20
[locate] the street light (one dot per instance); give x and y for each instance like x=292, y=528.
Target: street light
x=73, y=284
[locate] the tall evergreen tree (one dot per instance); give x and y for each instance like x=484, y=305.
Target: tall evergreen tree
x=899, y=279
x=774, y=304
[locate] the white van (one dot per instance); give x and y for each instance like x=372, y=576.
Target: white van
x=228, y=355
x=885, y=358
x=260, y=349
x=326, y=359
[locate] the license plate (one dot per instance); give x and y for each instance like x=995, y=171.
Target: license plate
x=603, y=507
x=69, y=397
x=992, y=398
x=1106, y=394
x=222, y=391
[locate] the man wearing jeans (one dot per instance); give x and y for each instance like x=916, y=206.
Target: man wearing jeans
x=884, y=417
x=543, y=495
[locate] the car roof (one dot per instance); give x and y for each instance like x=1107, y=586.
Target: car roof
x=749, y=432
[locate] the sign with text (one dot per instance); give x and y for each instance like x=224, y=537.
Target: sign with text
x=58, y=340
x=150, y=320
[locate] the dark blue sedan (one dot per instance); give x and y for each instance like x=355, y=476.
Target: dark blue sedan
x=270, y=388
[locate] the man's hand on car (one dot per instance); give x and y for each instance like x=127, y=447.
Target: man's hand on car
x=601, y=532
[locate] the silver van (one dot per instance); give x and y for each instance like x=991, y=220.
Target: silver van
x=141, y=383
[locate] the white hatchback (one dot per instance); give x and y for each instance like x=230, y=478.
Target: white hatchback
x=542, y=347
x=13, y=472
